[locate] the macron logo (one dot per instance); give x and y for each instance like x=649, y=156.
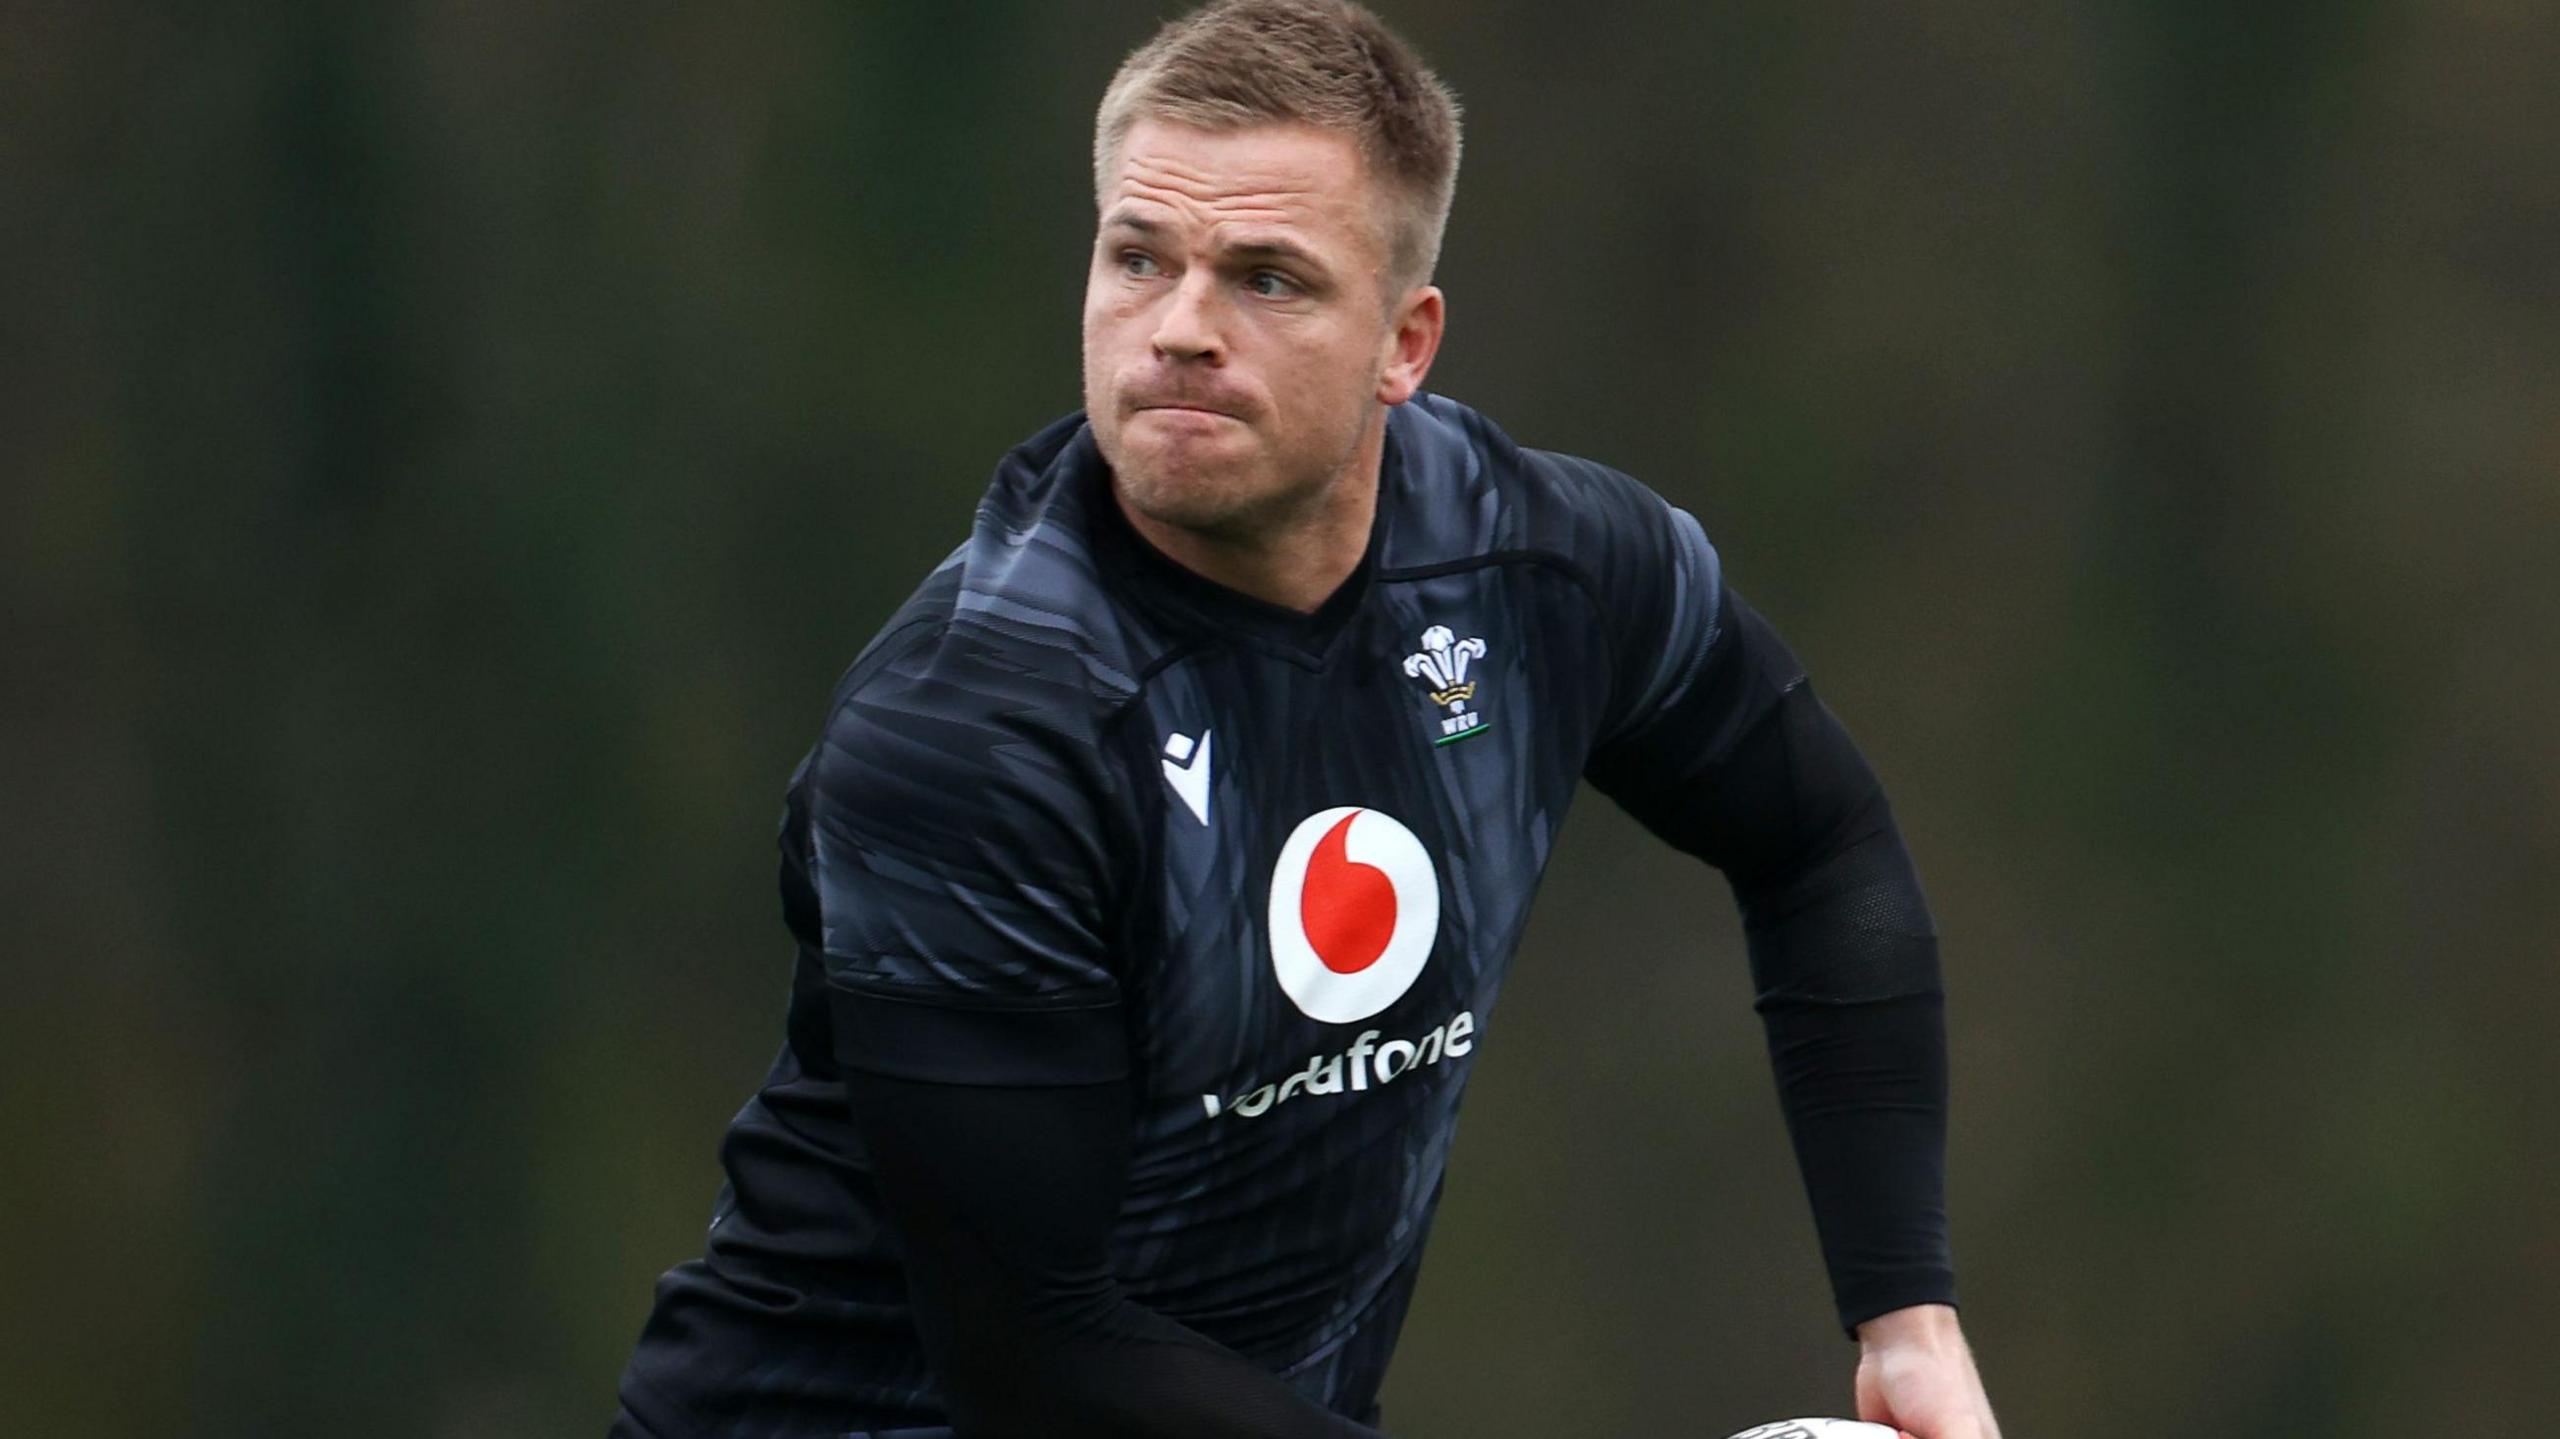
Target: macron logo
x=1186, y=768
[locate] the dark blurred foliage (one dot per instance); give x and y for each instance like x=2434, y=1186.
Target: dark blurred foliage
x=451, y=448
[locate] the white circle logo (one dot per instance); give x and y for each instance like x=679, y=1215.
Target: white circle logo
x=1355, y=905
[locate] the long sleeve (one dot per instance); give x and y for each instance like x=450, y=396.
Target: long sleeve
x=1003, y=1197
x=1719, y=745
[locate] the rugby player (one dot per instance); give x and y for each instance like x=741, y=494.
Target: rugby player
x=1160, y=860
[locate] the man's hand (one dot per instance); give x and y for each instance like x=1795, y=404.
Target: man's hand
x=1914, y=1372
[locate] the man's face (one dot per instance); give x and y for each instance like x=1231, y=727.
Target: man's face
x=1237, y=338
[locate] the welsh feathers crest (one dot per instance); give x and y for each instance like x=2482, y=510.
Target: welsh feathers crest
x=1441, y=664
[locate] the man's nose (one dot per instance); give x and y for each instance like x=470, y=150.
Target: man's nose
x=1187, y=328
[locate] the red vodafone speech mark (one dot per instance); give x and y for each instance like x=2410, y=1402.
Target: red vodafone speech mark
x=1348, y=908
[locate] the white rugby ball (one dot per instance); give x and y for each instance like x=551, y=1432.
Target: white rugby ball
x=1820, y=1429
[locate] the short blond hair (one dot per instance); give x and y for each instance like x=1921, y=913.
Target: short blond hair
x=1326, y=63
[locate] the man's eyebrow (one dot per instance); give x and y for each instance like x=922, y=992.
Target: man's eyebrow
x=1275, y=249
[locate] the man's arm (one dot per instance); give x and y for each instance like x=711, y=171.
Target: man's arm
x=1003, y=1196
x=1844, y=958
x=1748, y=770
x=1715, y=740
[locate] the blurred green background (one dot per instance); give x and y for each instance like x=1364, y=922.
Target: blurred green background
x=451, y=448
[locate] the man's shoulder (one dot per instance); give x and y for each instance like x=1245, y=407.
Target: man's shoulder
x=1472, y=488
x=957, y=730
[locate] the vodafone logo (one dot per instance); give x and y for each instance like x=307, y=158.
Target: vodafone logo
x=1355, y=905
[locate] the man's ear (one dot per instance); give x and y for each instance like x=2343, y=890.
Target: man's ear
x=1412, y=343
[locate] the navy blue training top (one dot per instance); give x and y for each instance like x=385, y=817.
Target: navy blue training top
x=1084, y=822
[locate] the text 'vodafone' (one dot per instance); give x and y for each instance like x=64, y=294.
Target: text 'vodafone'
x=1355, y=1067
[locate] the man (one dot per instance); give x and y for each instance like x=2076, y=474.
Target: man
x=1160, y=861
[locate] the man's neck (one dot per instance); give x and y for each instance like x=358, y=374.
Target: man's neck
x=1298, y=565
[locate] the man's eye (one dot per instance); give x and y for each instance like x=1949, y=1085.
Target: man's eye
x=1270, y=284
x=1137, y=262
